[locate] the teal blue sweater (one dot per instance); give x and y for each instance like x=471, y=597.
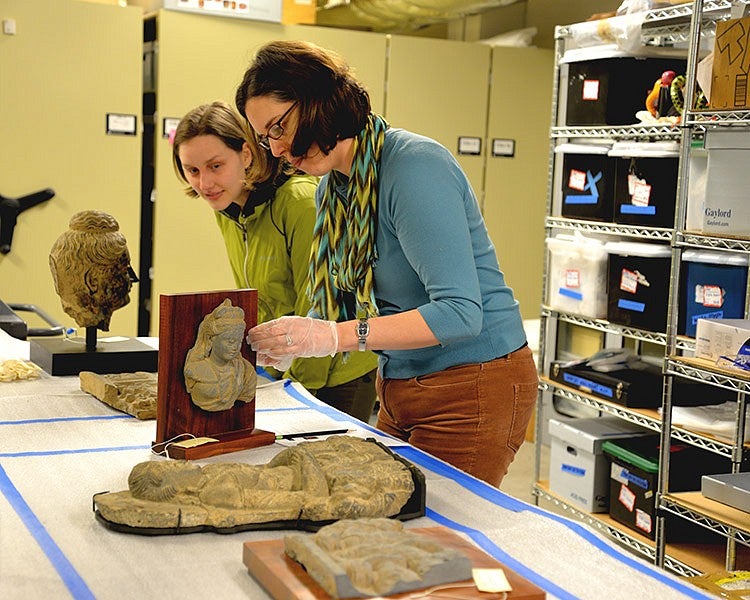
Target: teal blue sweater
x=435, y=255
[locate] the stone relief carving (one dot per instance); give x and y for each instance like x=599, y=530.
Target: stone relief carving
x=216, y=374
x=375, y=557
x=337, y=478
x=132, y=393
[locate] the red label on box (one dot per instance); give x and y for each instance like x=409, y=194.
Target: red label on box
x=628, y=281
x=572, y=278
x=713, y=296
x=577, y=180
x=643, y=520
x=641, y=193
x=626, y=497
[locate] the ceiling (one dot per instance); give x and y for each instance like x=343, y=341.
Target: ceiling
x=399, y=15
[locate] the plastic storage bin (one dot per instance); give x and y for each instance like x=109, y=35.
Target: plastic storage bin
x=588, y=182
x=638, y=286
x=645, y=183
x=610, y=91
x=577, y=275
x=712, y=286
x=578, y=468
x=634, y=476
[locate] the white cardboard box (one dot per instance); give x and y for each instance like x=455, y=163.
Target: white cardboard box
x=579, y=469
x=727, y=209
x=721, y=337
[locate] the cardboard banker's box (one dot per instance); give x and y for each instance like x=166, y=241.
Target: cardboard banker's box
x=729, y=76
x=726, y=209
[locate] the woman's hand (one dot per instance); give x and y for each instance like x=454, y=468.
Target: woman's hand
x=278, y=341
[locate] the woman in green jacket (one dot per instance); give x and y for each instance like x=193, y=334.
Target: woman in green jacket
x=266, y=214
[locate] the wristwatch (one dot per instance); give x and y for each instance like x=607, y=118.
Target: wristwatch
x=363, y=330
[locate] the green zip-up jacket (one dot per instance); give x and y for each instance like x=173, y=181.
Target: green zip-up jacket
x=268, y=244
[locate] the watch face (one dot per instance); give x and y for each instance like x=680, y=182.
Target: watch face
x=363, y=328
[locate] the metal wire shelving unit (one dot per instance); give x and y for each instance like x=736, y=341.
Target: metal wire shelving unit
x=690, y=25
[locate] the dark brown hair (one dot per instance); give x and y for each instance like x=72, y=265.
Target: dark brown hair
x=333, y=105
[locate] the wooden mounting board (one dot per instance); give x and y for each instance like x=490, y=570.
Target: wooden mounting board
x=285, y=579
x=176, y=414
x=227, y=442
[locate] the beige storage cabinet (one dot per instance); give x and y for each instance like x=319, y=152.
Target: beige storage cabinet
x=438, y=88
x=68, y=66
x=515, y=187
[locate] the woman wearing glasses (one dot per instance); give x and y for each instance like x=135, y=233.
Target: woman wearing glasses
x=402, y=265
x=266, y=214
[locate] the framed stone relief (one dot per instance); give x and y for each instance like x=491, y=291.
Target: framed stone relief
x=206, y=381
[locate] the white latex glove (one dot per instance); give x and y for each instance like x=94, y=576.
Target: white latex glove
x=278, y=341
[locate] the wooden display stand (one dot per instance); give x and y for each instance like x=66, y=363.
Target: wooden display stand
x=176, y=414
x=284, y=578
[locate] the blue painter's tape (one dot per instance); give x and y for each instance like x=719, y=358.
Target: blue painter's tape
x=719, y=314
x=587, y=199
x=578, y=381
x=573, y=470
x=72, y=580
x=630, y=209
x=634, y=479
x=631, y=305
x=570, y=293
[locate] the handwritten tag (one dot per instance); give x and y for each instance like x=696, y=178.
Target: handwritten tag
x=572, y=278
x=577, y=180
x=491, y=580
x=713, y=296
x=628, y=281
x=193, y=442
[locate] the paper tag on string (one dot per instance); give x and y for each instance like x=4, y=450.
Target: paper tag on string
x=491, y=580
x=193, y=442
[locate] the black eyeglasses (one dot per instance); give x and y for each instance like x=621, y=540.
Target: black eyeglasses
x=275, y=131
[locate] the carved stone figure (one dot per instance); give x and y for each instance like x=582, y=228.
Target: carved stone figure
x=132, y=393
x=337, y=478
x=375, y=557
x=216, y=374
x=91, y=270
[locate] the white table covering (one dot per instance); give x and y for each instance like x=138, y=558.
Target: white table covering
x=60, y=446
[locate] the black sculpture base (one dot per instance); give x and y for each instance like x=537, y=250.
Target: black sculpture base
x=60, y=356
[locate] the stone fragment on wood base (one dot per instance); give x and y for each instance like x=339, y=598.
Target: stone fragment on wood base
x=375, y=557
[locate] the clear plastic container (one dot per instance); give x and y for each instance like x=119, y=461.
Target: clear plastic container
x=577, y=275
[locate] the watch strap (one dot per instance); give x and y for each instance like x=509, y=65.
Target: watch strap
x=363, y=330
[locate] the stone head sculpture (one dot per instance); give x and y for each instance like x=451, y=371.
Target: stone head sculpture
x=91, y=270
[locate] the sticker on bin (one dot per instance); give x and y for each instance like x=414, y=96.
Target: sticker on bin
x=709, y=295
x=626, y=497
x=572, y=278
x=643, y=520
x=590, y=89
x=582, y=182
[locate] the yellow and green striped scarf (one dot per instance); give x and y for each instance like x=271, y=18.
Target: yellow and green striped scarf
x=343, y=247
